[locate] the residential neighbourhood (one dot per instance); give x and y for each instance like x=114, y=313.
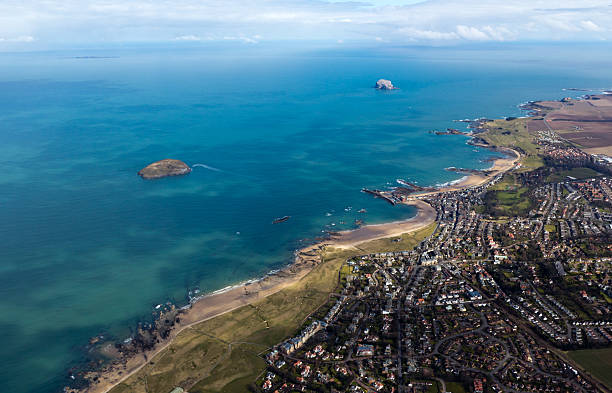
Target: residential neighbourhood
x=485, y=304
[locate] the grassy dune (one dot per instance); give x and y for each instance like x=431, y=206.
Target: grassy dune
x=222, y=354
x=514, y=134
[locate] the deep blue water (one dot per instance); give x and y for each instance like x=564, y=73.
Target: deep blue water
x=87, y=247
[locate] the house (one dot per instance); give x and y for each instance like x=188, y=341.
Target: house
x=365, y=350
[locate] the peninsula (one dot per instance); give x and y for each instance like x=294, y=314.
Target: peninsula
x=164, y=168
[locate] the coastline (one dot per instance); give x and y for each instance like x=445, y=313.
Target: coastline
x=233, y=297
x=500, y=165
x=236, y=296
x=425, y=216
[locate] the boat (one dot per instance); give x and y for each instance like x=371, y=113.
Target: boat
x=362, y=211
x=281, y=219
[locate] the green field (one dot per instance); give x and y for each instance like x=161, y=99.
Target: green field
x=598, y=362
x=577, y=173
x=454, y=387
x=222, y=354
x=405, y=242
x=507, y=198
x=550, y=228
x=514, y=134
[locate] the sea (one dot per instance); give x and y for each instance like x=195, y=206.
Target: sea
x=88, y=248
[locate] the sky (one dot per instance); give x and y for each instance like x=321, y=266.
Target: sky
x=26, y=23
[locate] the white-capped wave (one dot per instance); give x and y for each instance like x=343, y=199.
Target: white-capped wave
x=207, y=167
x=452, y=183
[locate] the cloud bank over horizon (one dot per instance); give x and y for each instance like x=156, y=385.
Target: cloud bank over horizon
x=23, y=22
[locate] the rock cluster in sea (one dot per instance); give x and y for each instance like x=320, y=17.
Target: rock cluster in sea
x=164, y=168
x=384, y=84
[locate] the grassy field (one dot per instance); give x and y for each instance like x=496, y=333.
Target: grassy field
x=577, y=173
x=507, y=198
x=550, y=228
x=222, y=354
x=514, y=133
x=507, y=183
x=598, y=362
x=405, y=242
x=454, y=387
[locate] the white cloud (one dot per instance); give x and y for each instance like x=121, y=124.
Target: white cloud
x=461, y=32
x=429, y=35
x=562, y=25
x=499, y=33
x=188, y=38
x=64, y=21
x=471, y=33
x=589, y=25
x=23, y=38
x=248, y=40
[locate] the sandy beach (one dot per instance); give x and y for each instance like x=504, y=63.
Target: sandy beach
x=500, y=166
x=425, y=216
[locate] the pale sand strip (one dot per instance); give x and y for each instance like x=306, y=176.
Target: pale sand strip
x=425, y=216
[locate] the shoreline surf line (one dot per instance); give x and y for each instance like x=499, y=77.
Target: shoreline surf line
x=235, y=296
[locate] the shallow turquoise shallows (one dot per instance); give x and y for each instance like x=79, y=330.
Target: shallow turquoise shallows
x=88, y=247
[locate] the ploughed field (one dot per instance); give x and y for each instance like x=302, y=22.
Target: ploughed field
x=587, y=123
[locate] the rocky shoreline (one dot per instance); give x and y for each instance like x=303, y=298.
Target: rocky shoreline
x=150, y=339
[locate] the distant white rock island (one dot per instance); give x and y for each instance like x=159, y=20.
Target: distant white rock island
x=384, y=84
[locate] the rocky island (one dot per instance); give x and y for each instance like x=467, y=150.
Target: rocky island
x=164, y=168
x=384, y=84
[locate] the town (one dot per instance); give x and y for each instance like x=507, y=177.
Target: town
x=489, y=302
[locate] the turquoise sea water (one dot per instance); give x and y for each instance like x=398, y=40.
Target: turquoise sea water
x=87, y=247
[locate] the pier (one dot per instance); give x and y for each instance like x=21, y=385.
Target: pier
x=387, y=196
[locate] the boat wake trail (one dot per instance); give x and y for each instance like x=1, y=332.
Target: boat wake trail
x=212, y=168
x=207, y=167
